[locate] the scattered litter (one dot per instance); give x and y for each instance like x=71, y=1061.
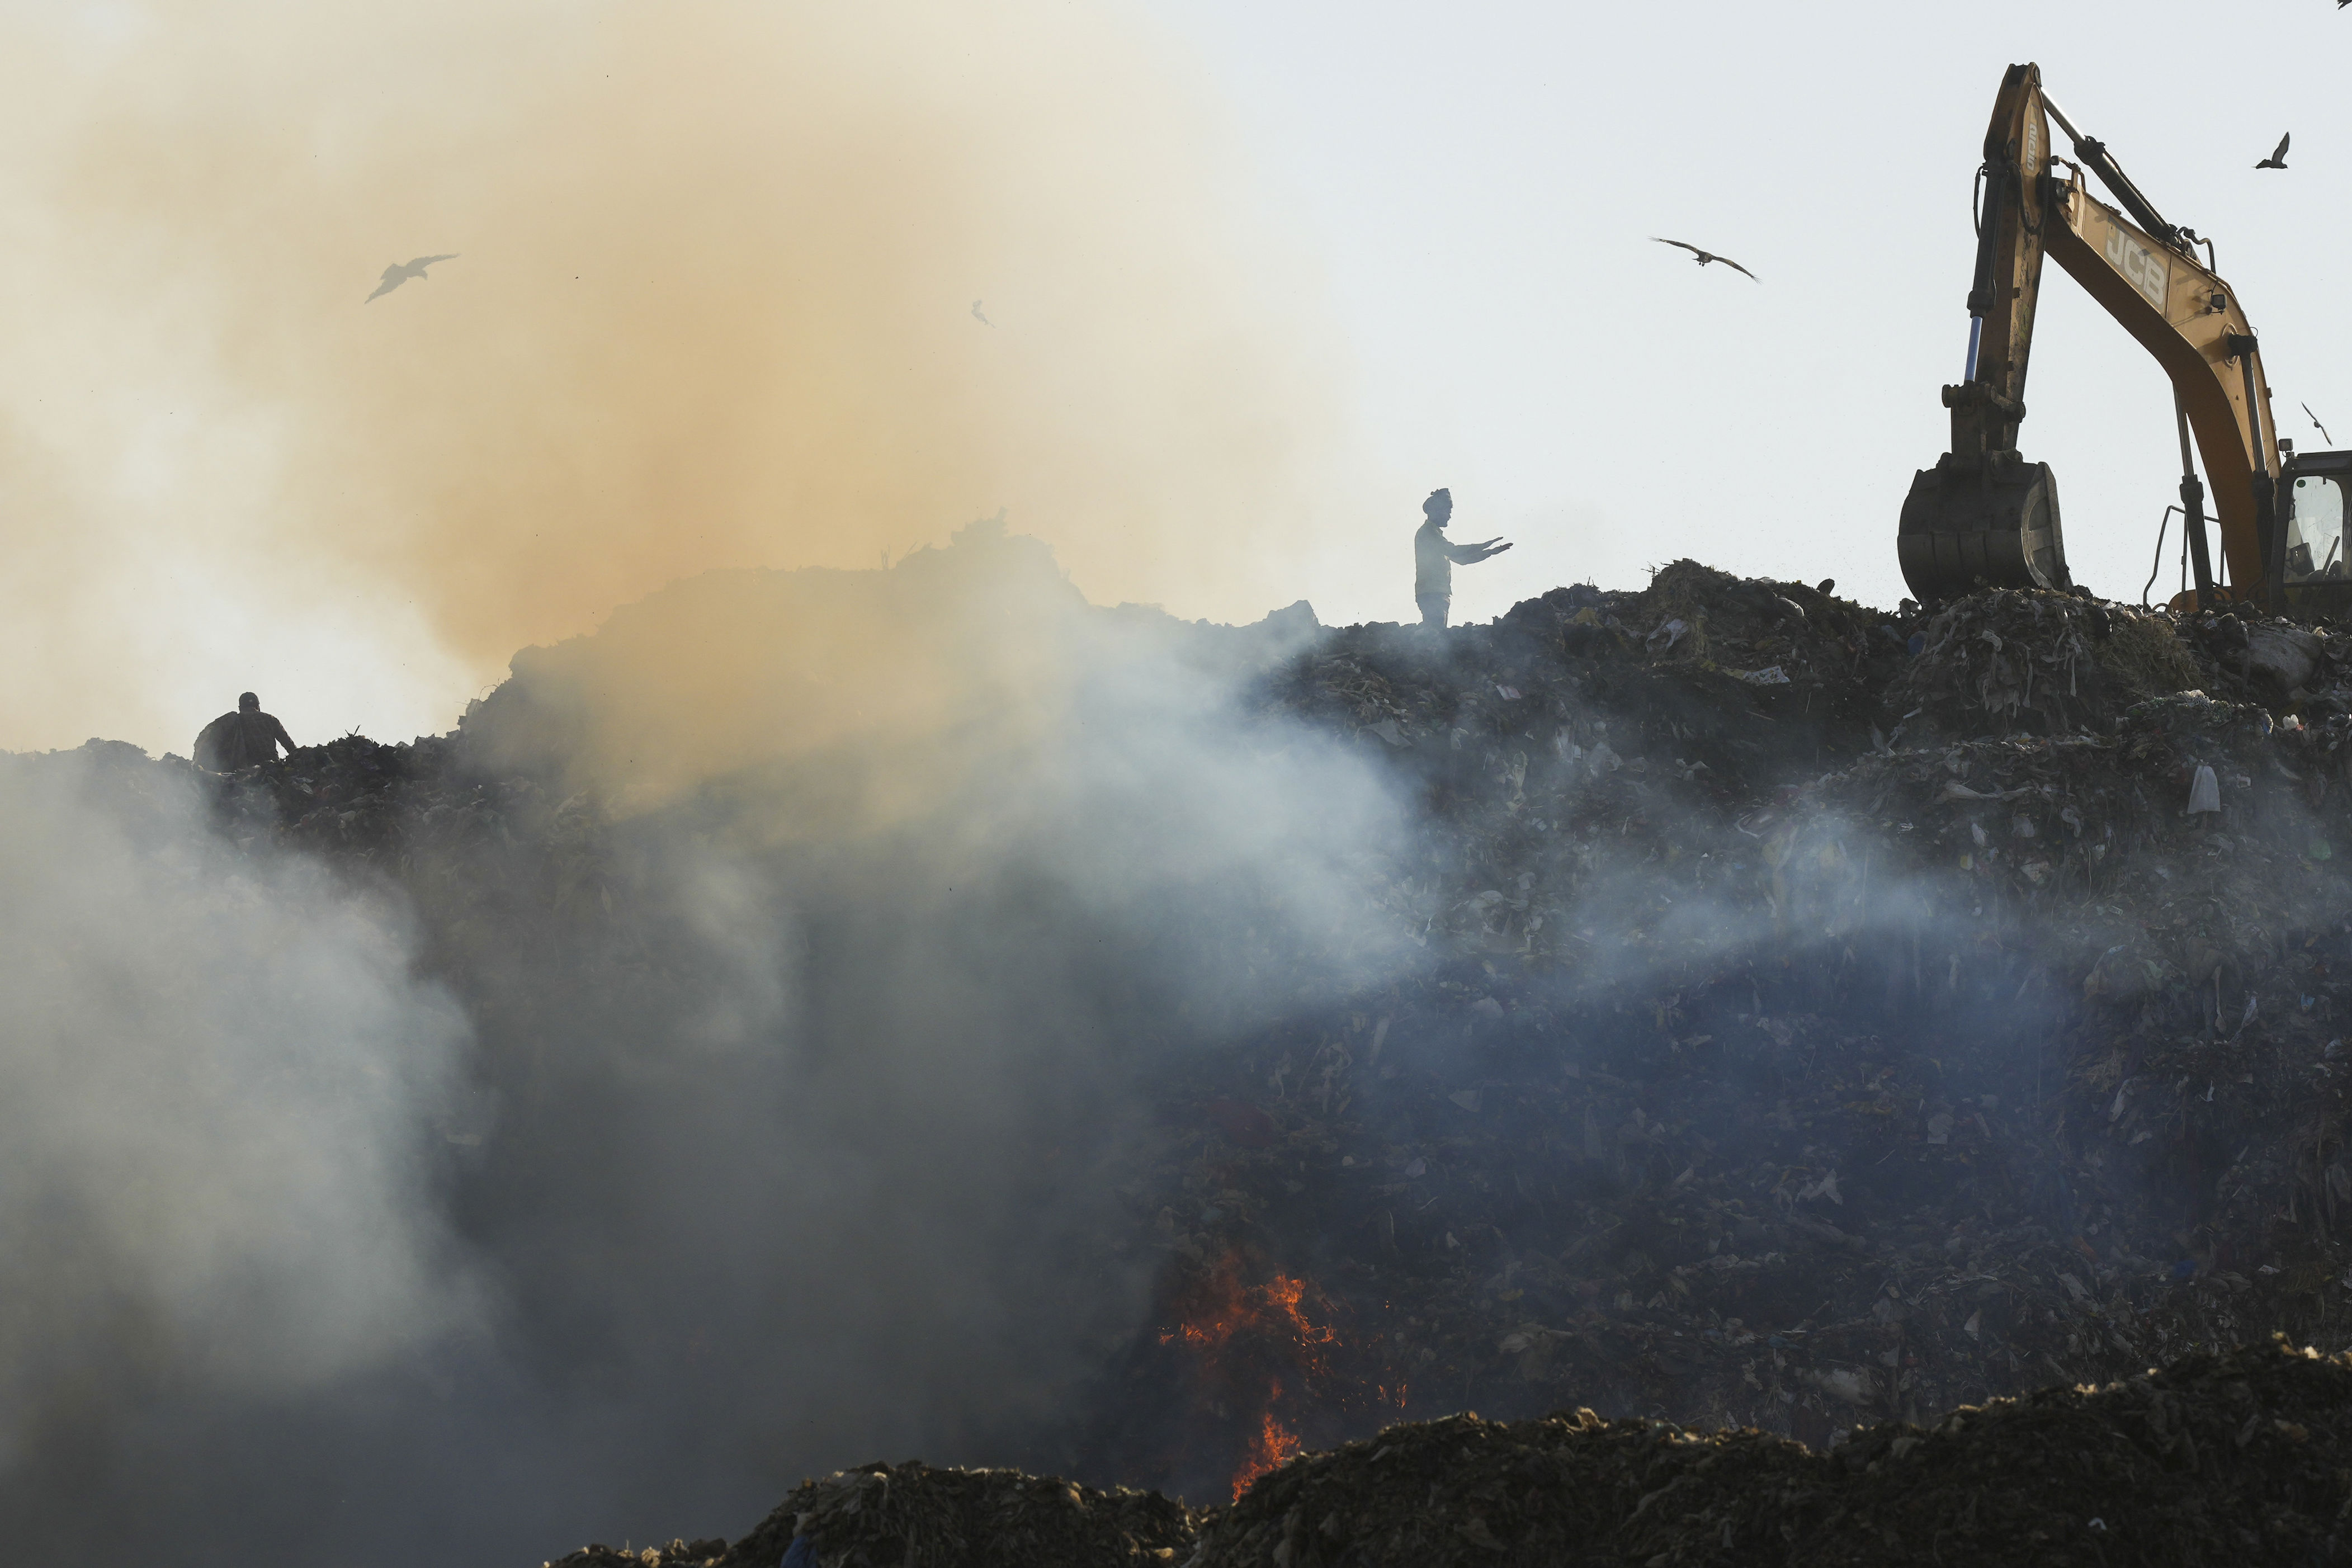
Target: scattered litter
x=1574, y=1487
x=1872, y=1012
x=2204, y=793
x=913, y=1514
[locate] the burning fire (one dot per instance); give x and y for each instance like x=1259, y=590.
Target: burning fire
x=1275, y=1446
x=1249, y=1339
x=1224, y=1307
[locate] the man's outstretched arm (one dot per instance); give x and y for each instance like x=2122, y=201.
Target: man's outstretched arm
x=278, y=737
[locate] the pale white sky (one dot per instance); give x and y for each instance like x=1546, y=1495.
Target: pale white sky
x=1477, y=181
x=1451, y=201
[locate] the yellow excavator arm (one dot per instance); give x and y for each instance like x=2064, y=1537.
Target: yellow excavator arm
x=1984, y=514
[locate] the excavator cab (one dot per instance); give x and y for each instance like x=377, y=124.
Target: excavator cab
x=2318, y=579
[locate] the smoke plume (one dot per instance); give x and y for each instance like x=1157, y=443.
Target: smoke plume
x=219, y=1099
x=713, y=305
x=764, y=1113
x=723, y=1091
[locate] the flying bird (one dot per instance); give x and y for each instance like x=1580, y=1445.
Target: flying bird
x=976, y=316
x=1706, y=255
x=401, y=272
x=2278, y=159
x=2315, y=425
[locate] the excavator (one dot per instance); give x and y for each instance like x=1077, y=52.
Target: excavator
x=1984, y=516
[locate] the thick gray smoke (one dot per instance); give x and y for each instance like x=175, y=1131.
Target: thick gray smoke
x=772, y=1135
x=220, y=1172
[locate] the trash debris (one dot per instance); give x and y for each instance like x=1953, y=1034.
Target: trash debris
x=2053, y=1468
x=2204, y=793
x=1869, y=1046
x=1827, y=1187
x=1985, y=969
x=2008, y=658
x=2235, y=1457
x=703, y=1553
x=912, y=1513
x=1982, y=989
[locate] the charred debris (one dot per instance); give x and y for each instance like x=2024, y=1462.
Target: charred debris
x=2215, y=1458
x=1826, y=1029
x=1828, y=1018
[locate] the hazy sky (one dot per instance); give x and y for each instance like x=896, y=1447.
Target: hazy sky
x=1259, y=276
x=1477, y=181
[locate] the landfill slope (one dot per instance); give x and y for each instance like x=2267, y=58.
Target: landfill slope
x=2217, y=1458
x=916, y=1516
x=1810, y=1018
x=1788, y=1056
x=1827, y=1017
x=2237, y=1457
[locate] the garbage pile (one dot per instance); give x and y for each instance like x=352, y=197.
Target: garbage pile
x=1742, y=676
x=2027, y=661
x=1816, y=1017
x=2020, y=661
x=1742, y=1093
x=2236, y=1457
x=917, y=1516
x=705, y=1553
x=2217, y=1458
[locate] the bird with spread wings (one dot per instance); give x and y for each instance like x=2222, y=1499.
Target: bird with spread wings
x=401, y=272
x=2315, y=425
x=2277, y=160
x=1706, y=255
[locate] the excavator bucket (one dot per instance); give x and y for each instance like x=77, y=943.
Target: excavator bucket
x=1995, y=527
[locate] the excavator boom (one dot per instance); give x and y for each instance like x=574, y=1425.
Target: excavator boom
x=1985, y=515
x=2191, y=320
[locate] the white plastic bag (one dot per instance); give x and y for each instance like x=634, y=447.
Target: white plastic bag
x=2205, y=792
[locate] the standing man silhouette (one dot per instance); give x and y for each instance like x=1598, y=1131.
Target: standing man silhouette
x=1434, y=556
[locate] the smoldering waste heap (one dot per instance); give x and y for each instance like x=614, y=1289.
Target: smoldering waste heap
x=1847, y=1054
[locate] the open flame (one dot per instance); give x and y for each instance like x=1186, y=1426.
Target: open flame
x=1273, y=1446
x=1250, y=1339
